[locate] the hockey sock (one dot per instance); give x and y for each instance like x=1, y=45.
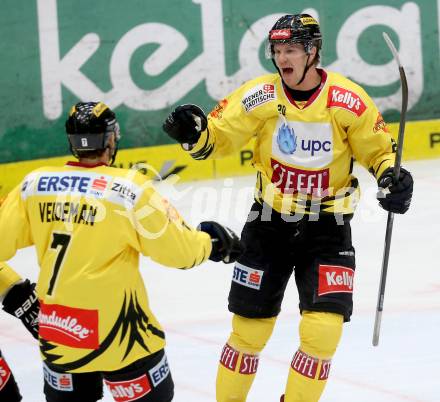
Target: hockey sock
x=239, y=358
x=309, y=370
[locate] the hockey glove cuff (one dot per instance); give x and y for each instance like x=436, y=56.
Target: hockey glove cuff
x=226, y=245
x=395, y=196
x=22, y=302
x=185, y=124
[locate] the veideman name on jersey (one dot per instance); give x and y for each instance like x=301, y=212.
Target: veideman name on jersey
x=71, y=212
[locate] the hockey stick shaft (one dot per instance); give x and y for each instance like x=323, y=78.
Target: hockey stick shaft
x=390, y=220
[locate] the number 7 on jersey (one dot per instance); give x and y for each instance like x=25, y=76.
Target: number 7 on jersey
x=63, y=240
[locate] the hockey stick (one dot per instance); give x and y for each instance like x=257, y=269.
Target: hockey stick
x=389, y=229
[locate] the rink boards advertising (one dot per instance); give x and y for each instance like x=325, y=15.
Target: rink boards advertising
x=144, y=59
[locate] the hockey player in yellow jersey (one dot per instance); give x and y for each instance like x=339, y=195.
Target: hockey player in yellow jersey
x=19, y=299
x=89, y=223
x=309, y=125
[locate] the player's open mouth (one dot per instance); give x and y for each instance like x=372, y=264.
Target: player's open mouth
x=287, y=70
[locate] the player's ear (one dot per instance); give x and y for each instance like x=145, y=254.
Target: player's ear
x=112, y=140
x=313, y=53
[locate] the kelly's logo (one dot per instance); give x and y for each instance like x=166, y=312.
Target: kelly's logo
x=335, y=279
x=130, y=390
x=345, y=99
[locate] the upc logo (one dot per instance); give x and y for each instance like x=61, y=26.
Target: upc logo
x=303, y=144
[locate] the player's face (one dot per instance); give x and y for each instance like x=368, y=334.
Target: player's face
x=290, y=59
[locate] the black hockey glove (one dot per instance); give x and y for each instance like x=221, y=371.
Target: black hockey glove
x=395, y=197
x=185, y=124
x=22, y=302
x=226, y=245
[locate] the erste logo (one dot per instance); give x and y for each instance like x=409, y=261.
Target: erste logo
x=247, y=276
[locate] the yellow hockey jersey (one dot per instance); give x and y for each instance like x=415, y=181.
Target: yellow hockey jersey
x=89, y=226
x=303, y=152
x=8, y=278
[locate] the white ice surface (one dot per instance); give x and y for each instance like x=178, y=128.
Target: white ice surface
x=192, y=305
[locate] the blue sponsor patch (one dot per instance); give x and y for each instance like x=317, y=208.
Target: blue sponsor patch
x=247, y=276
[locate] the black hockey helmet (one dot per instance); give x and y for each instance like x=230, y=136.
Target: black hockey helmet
x=298, y=28
x=89, y=127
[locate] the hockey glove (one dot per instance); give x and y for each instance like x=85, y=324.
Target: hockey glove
x=22, y=302
x=226, y=246
x=185, y=124
x=395, y=197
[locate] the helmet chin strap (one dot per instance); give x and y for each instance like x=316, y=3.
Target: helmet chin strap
x=113, y=157
x=306, y=68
